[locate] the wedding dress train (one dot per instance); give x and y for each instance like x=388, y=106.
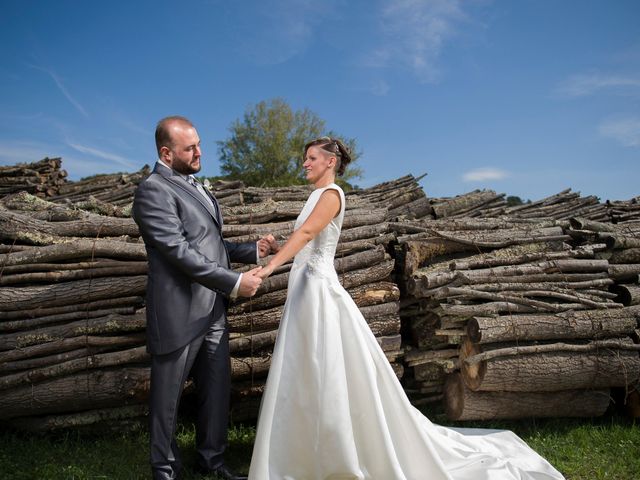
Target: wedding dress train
x=334, y=409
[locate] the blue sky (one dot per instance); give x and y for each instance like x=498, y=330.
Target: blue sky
x=525, y=97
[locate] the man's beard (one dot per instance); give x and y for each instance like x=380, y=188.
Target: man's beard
x=184, y=168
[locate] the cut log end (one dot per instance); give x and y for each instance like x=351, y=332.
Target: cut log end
x=472, y=374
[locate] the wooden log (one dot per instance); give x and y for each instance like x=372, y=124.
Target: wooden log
x=51, y=423
x=110, y=324
x=624, y=256
x=136, y=355
x=132, y=268
x=79, y=248
x=497, y=308
x=82, y=391
x=624, y=272
x=135, y=302
x=626, y=294
x=68, y=344
x=504, y=350
x=565, y=325
x=462, y=404
x=29, y=323
x=553, y=371
x=68, y=293
x=25, y=229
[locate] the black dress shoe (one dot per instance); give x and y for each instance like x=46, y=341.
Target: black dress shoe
x=222, y=472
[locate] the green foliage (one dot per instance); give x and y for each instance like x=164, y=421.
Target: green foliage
x=513, y=200
x=265, y=147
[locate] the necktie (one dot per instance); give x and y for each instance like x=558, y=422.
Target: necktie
x=192, y=180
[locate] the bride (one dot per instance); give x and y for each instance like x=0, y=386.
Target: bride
x=333, y=407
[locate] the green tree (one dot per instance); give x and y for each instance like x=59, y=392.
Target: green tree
x=265, y=146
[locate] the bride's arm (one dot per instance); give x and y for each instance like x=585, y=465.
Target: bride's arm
x=327, y=208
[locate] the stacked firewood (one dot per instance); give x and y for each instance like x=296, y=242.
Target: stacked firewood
x=489, y=204
x=43, y=178
x=114, y=189
x=513, y=313
x=72, y=285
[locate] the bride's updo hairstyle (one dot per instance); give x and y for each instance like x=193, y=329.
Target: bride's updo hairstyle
x=334, y=147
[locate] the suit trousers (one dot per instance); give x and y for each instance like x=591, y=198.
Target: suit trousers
x=207, y=358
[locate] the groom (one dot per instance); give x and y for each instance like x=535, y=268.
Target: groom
x=188, y=289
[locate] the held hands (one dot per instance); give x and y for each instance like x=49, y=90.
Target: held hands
x=265, y=272
x=250, y=282
x=267, y=245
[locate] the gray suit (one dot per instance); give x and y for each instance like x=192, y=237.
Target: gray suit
x=188, y=285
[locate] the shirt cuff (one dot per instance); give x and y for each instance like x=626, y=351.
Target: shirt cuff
x=257, y=254
x=234, y=292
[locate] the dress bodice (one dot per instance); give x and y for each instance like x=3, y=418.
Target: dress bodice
x=318, y=253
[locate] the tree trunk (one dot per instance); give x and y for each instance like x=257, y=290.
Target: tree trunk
x=463, y=404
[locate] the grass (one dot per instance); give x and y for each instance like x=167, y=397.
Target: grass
x=582, y=449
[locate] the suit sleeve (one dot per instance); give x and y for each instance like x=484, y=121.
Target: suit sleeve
x=155, y=212
x=242, y=252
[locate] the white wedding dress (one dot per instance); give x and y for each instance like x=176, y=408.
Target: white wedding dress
x=334, y=409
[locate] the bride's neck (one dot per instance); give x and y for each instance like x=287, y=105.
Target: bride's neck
x=325, y=181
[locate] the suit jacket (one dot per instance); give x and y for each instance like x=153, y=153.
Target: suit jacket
x=188, y=259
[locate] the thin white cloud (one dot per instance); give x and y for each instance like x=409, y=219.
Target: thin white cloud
x=414, y=32
x=56, y=79
x=484, y=174
x=588, y=84
x=379, y=88
x=625, y=130
x=101, y=154
x=288, y=28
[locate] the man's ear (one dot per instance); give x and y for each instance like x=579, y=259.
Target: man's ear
x=165, y=155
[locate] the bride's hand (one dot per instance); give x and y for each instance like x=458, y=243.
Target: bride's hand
x=265, y=272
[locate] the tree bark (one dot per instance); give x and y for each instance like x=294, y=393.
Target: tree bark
x=82, y=391
x=110, y=324
x=123, y=302
x=566, y=325
x=68, y=293
x=109, y=416
x=14, y=226
x=462, y=404
x=136, y=355
x=76, y=249
x=132, y=268
x=626, y=294
x=553, y=371
x=68, y=344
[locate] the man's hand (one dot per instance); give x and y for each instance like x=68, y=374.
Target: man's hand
x=249, y=283
x=267, y=246
x=265, y=272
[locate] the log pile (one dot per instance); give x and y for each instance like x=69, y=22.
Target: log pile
x=516, y=307
x=43, y=178
x=114, y=189
x=506, y=311
x=72, y=285
x=560, y=206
